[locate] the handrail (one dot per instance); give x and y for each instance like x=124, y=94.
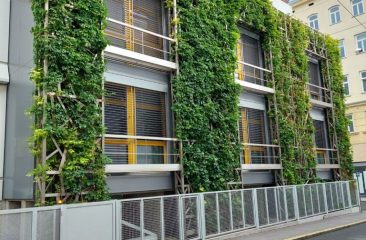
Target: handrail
x=141, y=137
x=141, y=29
x=323, y=88
x=260, y=145
x=253, y=66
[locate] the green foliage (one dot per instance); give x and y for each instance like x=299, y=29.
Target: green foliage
x=67, y=95
x=206, y=96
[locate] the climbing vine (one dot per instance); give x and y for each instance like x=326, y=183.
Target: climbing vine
x=206, y=95
x=68, y=73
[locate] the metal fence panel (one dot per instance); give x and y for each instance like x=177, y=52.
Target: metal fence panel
x=237, y=209
x=211, y=214
x=16, y=226
x=272, y=206
x=190, y=217
x=172, y=228
x=48, y=225
x=262, y=207
x=291, y=215
x=131, y=219
x=248, y=208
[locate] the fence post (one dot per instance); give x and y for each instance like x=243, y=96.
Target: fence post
x=181, y=217
x=243, y=206
x=34, y=224
x=285, y=202
x=296, y=203
x=142, y=230
x=255, y=207
x=218, y=213
x=118, y=219
x=349, y=195
x=325, y=198
x=231, y=212
x=202, y=214
x=162, y=218
x=342, y=192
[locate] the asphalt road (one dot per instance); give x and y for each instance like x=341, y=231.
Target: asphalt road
x=357, y=232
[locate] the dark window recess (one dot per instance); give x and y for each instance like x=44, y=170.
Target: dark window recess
x=320, y=134
x=115, y=109
x=316, y=83
x=252, y=55
x=150, y=113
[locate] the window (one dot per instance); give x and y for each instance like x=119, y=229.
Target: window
x=357, y=7
x=320, y=141
x=363, y=79
x=361, y=42
x=315, y=81
x=131, y=112
x=345, y=85
x=250, y=54
x=252, y=131
x=335, y=15
x=313, y=21
x=351, y=128
x=342, y=48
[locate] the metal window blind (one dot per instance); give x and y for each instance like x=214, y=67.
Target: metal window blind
x=320, y=134
x=117, y=152
x=115, y=109
x=255, y=128
x=150, y=113
x=251, y=50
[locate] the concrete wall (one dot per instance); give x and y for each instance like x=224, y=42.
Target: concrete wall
x=18, y=159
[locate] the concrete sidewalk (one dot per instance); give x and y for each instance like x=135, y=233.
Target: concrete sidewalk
x=304, y=230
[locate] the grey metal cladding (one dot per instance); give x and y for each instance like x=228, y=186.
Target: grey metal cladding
x=18, y=158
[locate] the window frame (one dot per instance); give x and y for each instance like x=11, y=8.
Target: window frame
x=336, y=14
x=363, y=79
x=344, y=83
x=359, y=5
x=362, y=41
x=314, y=24
x=342, y=46
x=351, y=122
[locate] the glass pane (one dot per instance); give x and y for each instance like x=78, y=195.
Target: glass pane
x=150, y=154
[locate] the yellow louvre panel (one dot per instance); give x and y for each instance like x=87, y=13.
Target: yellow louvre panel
x=128, y=8
x=131, y=124
x=239, y=54
x=244, y=133
x=115, y=109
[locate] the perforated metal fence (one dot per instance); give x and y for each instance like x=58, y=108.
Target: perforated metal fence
x=191, y=216
x=204, y=215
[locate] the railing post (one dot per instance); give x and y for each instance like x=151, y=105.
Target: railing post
x=255, y=207
x=34, y=224
x=243, y=206
x=181, y=217
x=266, y=201
x=296, y=203
x=325, y=198
x=276, y=203
x=342, y=192
x=202, y=214
x=162, y=218
x=285, y=202
x=231, y=213
x=218, y=213
x=118, y=219
x=142, y=230
x=349, y=195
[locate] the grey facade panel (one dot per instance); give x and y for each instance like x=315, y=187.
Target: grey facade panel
x=131, y=183
x=252, y=100
x=256, y=178
x=18, y=158
x=325, y=175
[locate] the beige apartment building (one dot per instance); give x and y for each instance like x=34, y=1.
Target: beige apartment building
x=345, y=20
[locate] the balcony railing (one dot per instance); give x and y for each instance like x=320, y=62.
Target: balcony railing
x=138, y=40
x=253, y=74
x=127, y=150
x=260, y=154
x=326, y=156
x=319, y=93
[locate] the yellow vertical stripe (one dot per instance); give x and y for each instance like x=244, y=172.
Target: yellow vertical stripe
x=131, y=126
x=129, y=20
x=240, y=67
x=244, y=125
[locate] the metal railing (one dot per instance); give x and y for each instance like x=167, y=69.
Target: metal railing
x=204, y=215
x=319, y=93
x=326, y=156
x=190, y=216
x=126, y=149
x=139, y=40
x=260, y=153
x=252, y=74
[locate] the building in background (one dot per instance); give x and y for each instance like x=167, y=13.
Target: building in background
x=345, y=20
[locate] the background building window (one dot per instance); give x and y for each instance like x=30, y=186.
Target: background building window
x=350, y=124
x=363, y=79
x=357, y=7
x=346, y=85
x=313, y=21
x=342, y=48
x=335, y=15
x=361, y=42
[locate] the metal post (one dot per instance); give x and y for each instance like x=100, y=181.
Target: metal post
x=255, y=208
x=231, y=212
x=325, y=197
x=296, y=203
x=142, y=230
x=202, y=214
x=242, y=206
x=34, y=224
x=343, y=199
x=266, y=201
x=276, y=202
x=336, y=189
x=218, y=213
x=162, y=218
x=304, y=199
x=311, y=198
x=181, y=217
x=285, y=201
x=317, y=194
x=349, y=195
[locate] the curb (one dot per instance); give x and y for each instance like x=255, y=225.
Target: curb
x=327, y=230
